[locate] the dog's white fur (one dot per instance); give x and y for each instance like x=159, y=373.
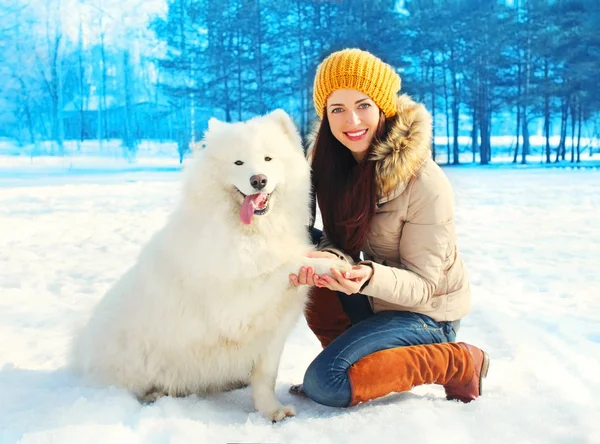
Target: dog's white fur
x=208, y=304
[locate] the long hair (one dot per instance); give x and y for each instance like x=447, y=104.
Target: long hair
x=346, y=190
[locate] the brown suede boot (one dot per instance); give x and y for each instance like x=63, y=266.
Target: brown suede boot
x=399, y=369
x=325, y=315
x=473, y=389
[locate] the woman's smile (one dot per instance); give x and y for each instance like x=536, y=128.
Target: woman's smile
x=355, y=136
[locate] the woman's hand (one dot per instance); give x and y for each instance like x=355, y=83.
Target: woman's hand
x=350, y=282
x=306, y=275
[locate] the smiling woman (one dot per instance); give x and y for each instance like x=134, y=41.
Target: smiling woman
x=390, y=323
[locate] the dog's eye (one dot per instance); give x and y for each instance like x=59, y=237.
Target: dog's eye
x=268, y=159
x=238, y=162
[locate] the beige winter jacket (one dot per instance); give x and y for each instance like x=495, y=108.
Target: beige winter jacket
x=412, y=241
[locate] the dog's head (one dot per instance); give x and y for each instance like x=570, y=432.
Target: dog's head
x=255, y=163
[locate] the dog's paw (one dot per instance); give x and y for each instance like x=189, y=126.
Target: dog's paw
x=281, y=413
x=152, y=395
x=324, y=265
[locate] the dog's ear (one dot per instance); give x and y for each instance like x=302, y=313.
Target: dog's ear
x=284, y=119
x=214, y=124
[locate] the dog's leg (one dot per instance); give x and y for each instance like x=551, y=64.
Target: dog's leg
x=151, y=395
x=324, y=265
x=262, y=380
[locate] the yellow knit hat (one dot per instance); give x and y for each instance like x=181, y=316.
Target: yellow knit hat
x=357, y=69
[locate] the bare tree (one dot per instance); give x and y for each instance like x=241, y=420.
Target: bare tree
x=49, y=59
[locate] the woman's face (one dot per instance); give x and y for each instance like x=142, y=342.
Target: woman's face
x=353, y=119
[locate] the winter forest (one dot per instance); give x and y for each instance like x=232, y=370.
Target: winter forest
x=505, y=80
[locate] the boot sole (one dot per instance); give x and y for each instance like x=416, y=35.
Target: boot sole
x=484, y=371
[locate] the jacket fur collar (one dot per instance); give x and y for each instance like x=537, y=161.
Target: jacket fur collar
x=407, y=147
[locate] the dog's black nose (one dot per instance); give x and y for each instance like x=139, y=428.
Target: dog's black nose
x=258, y=181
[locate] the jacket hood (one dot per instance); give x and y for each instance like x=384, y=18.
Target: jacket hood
x=405, y=149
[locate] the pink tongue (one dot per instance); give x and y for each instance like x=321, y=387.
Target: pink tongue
x=252, y=201
x=247, y=209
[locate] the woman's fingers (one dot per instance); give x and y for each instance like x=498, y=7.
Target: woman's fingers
x=333, y=284
x=314, y=280
x=306, y=276
x=346, y=282
x=327, y=282
x=348, y=286
x=342, y=278
x=302, y=276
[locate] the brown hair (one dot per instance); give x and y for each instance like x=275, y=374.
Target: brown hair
x=346, y=190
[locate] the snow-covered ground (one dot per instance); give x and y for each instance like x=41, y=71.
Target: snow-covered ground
x=531, y=241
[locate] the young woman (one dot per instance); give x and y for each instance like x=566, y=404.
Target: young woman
x=390, y=323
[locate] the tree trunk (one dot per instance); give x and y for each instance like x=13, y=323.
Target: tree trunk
x=485, y=148
x=103, y=105
x=573, y=124
x=183, y=137
x=455, y=108
x=56, y=95
x=433, y=102
x=564, y=115
x=474, y=135
x=579, y=124
x=54, y=82
x=129, y=141
x=240, y=83
x=447, y=111
x=301, y=73
x=525, y=150
x=519, y=85
x=226, y=98
x=546, y=111
x=82, y=92
x=485, y=143
x=25, y=103
x=526, y=84
x=259, y=58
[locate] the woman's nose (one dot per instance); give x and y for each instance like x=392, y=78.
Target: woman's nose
x=353, y=118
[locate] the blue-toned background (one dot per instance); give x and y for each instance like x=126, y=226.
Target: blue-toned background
x=512, y=80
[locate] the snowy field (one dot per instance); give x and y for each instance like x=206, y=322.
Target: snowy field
x=531, y=242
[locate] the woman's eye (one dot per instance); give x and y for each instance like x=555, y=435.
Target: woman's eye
x=268, y=159
x=239, y=162
x=364, y=105
x=336, y=110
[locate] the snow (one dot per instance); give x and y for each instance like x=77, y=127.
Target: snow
x=531, y=242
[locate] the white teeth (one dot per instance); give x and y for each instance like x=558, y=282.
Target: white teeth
x=358, y=133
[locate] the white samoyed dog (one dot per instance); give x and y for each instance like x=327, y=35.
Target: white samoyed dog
x=208, y=304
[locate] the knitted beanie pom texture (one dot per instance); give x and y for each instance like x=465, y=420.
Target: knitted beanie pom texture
x=357, y=69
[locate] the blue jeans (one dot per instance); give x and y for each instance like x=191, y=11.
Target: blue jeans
x=326, y=380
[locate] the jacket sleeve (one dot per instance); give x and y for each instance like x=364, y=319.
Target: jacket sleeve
x=427, y=240
x=326, y=245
